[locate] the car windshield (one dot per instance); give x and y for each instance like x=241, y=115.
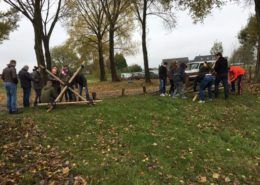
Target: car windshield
x=194, y=66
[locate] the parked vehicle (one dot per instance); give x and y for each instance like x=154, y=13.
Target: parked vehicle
x=153, y=75
x=126, y=76
x=138, y=75
x=194, y=67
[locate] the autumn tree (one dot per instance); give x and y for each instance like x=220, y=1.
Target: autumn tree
x=120, y=61
x=117, y=13
x=216, y=48
x=243, y=54
x=246, y=53
x=134, y=68
x=43, y=14
x=8, y=23
x=144, y=8
x=93, y=23
x=63, y=55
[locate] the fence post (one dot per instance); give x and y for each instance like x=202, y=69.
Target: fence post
x=250, y=73
x=123, y=91
x=94, y=95
x=144, y=89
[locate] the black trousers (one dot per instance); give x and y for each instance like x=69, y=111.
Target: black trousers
x=224, y=80
x=233, y=85
x=38, y=93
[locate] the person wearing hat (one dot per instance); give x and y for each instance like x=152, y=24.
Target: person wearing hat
x=25, y=79
x=10, y=79
x=37, y=84
x=221, y=72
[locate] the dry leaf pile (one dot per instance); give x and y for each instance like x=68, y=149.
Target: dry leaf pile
x=24, y=158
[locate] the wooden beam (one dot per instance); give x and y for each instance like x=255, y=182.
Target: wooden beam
x=70, y=103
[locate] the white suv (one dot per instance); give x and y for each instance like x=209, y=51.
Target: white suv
x=194, y=67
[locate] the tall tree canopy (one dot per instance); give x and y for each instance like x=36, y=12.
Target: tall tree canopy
x=43, y=14
x=144, y=8
x=118, y=12
x=94, y=24
x=216, y=48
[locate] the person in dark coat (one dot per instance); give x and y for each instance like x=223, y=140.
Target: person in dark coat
x=221, y=72
x=82, y=83
x=10, y=79
x=206, y=80
x=25, y=79
x=179, y=80
x=37, y=84
x=173, y=67
x=48, y=93
x=163, y=78
x=202, y=71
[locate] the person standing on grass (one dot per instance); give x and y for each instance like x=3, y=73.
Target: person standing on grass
x=236, y=73
x=10, y=79
x=206, y=80
x=173, y=67
x=37, y=84
x=82, y=83
x=25, y=79
x=55, y=82
x=179, y=81
x=163, y=78
x=221, y=72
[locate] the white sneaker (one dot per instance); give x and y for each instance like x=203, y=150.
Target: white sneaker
x=201, y=101
x=162, y=95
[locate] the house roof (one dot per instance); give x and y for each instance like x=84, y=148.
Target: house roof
x=203, y=58
x=184, y=59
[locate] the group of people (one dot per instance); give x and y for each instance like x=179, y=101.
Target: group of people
x=206, y=78
x=43, y=93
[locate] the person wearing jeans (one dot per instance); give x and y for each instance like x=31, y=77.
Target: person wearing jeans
x=206, y=83
x=162, y=78
x=179, y=81
x=82, y=82
x=11, y=89
x=10, y=79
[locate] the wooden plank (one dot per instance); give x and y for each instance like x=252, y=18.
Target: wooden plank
x=70, y=103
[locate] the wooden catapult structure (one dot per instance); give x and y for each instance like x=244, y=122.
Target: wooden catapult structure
x=67, y=86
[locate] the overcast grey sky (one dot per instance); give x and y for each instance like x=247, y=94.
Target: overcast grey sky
x=185, y=40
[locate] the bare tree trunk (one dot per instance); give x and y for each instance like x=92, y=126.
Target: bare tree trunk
x=145, y=53
x=257, y=10
x=46, y=43
x=102, y=75
x=38, y=46
x=112, y=54
x=37, y=26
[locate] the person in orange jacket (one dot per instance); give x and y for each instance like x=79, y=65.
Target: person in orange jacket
x=236, y=73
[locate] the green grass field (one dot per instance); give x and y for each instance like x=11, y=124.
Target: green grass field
x=154, y=140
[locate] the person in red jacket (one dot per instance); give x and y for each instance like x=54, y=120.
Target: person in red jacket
x=236, y=73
